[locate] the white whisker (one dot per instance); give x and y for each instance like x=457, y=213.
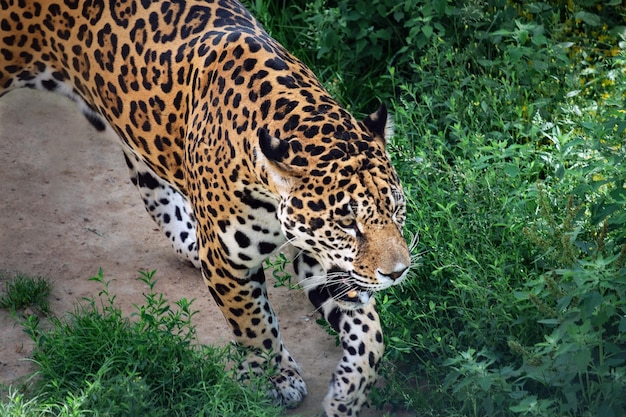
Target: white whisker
x=325, y=303
x=344, y=292
x=414, y=239
x=310, y=283
x=319, y=280
x=297, y=255
x=287, y=242
x=416, y=257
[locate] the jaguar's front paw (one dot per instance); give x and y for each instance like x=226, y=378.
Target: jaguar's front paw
x=289, y=388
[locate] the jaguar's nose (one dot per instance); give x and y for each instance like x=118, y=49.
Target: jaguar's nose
x=397, y=273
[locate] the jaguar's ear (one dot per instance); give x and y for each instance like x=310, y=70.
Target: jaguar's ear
x=284, y=154
x=380, y=123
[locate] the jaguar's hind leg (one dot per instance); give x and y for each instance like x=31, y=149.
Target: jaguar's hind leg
x=167, y=207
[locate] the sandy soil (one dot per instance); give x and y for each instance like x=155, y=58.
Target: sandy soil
x=67, y=208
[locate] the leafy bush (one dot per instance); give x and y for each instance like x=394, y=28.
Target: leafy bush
x=506, y=205
x=97, y=361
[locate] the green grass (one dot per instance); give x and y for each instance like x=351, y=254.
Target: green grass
x=95, y=360
x=21, y=291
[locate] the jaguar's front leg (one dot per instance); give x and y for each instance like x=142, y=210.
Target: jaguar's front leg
x=244, y=303
x=362, y=342
x=361, y=339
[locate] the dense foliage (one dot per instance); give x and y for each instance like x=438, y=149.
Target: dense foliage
x=510, y=132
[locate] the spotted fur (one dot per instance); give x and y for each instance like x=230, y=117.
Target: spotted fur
x=236, y=148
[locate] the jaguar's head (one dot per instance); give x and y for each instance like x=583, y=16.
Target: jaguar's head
x=342, y=202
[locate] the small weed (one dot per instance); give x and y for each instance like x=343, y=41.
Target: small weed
x=278, y=265
x=24, y=291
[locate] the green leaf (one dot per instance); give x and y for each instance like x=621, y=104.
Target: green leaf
x=602, y=211
x=514, y=54
x=502, y=32
x=619, y=195
x=618, y=219
x=511, y=170
x=539, y=40
x=589, y=18
x=484, y=382
x=440, y=6
x=589, y=302
x=520, y=295
x=427, y=30
x=539, y=65
x=420, y=40
x=527, y=404
x=581, y=359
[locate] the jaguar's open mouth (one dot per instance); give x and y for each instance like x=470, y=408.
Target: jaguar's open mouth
x=342, y=290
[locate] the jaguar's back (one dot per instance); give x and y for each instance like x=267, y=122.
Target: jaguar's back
x=129, y=65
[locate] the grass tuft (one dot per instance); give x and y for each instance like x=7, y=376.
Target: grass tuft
x=23, y=291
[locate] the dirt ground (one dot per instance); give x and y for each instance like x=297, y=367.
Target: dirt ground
x=67, y=208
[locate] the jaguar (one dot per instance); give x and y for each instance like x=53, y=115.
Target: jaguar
x=236, y=149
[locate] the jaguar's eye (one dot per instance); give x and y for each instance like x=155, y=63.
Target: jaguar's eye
x=346, y=219
x=347, y=223
x=399, y=216
x=399, y=208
